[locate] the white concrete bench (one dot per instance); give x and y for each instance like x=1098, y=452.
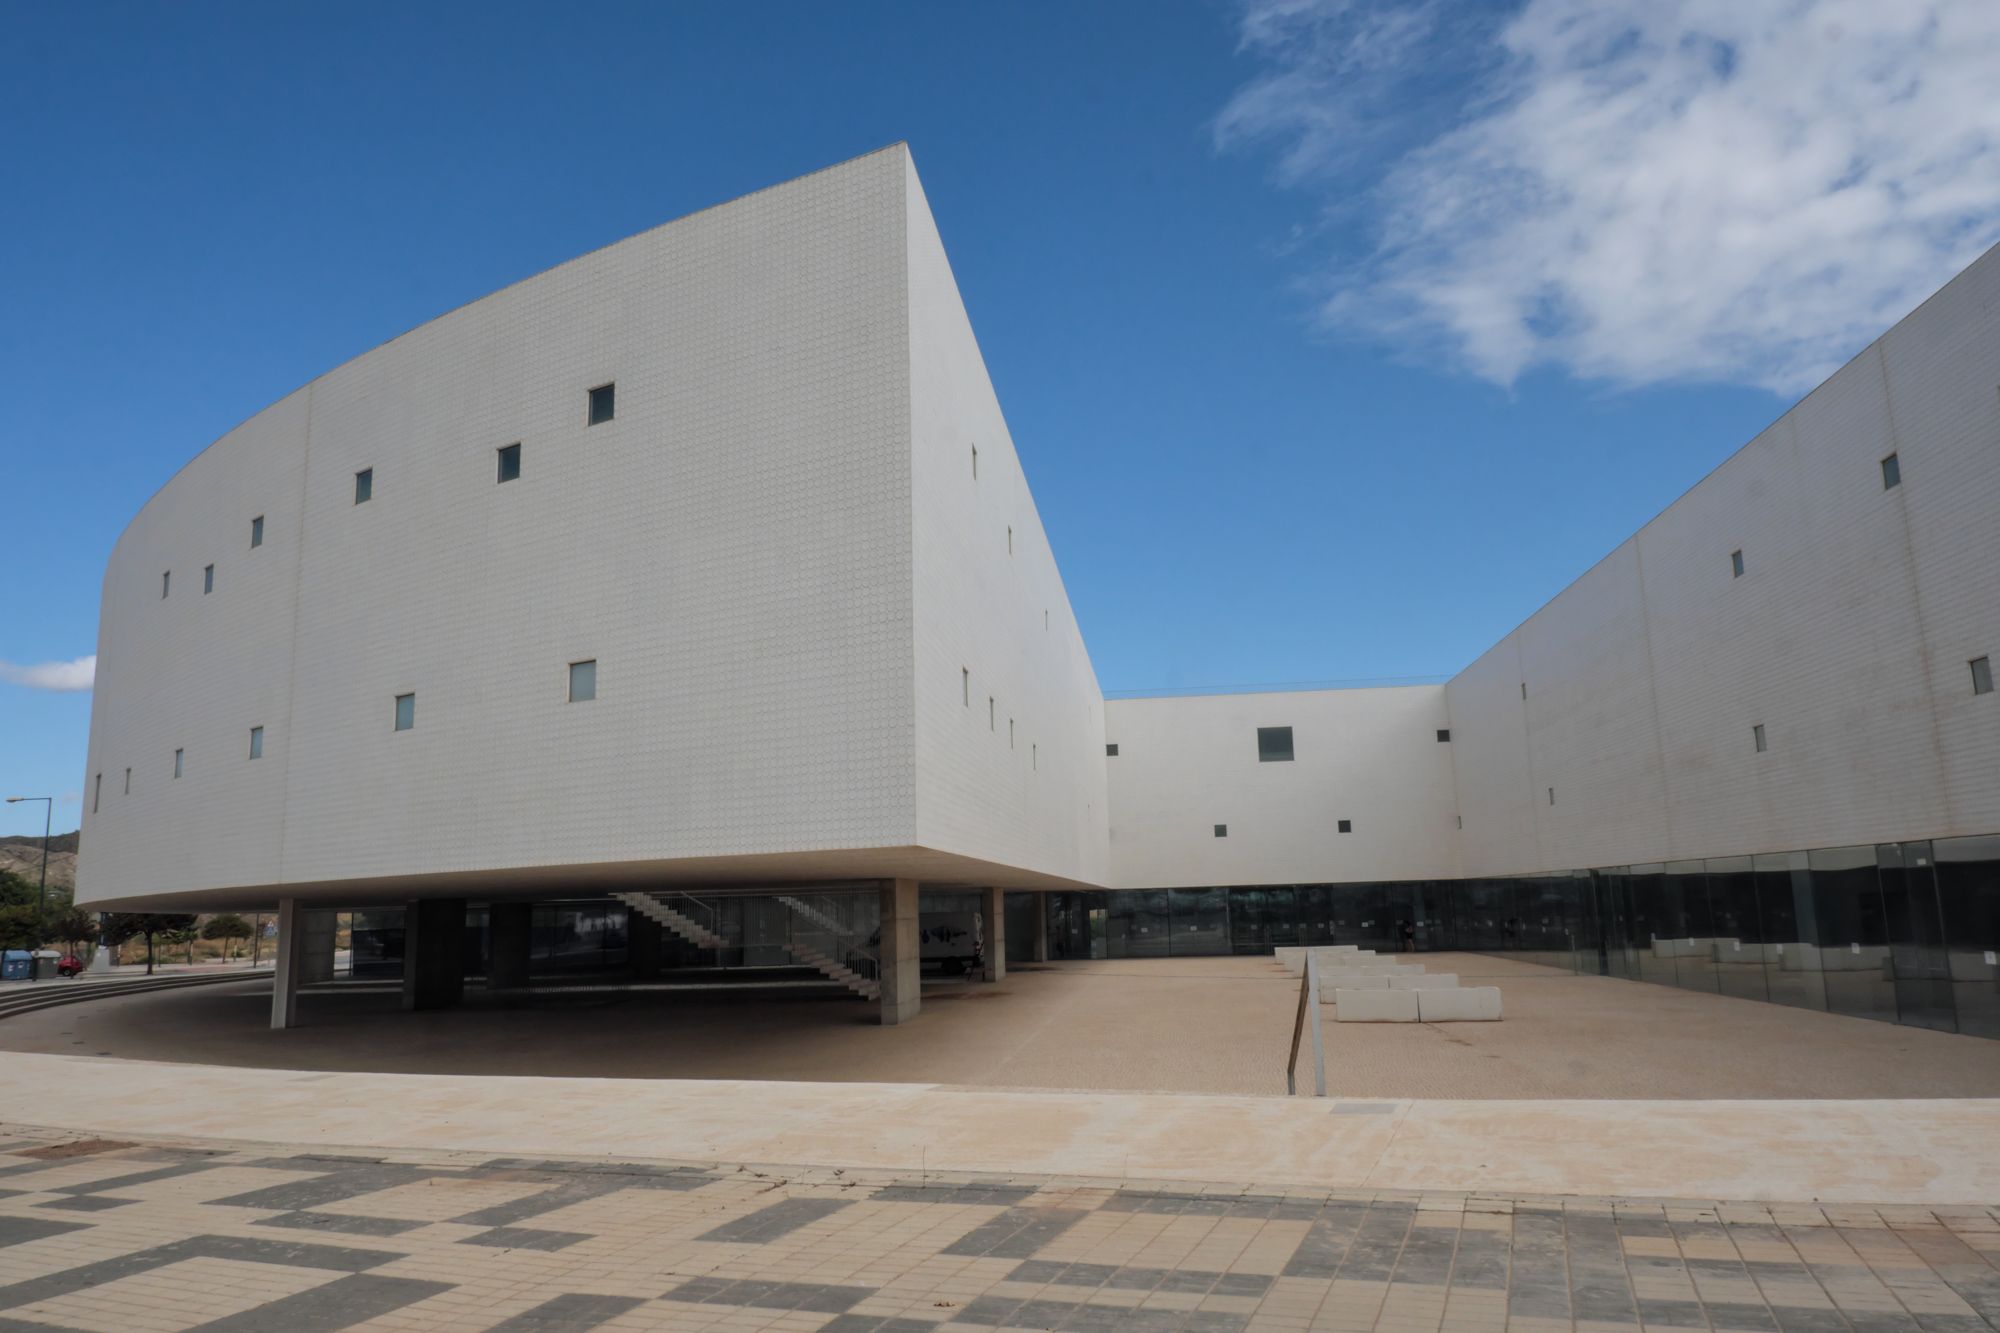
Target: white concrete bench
x=1376, y=1006
x=1468, y=1004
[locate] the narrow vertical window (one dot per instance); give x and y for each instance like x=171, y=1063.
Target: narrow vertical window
x=166, y=581
x=1736, y=564
x=207, y=580
x=256, y=532
x=965, y=685
x=128, y=782
x=1892, y=473
x=603, y=404
x=1010, y=733
x=1552, y=796
x=1524, y=689
x=1034, y=756
x=975, y=462
x=256, y=742
x=1757, y=737
x=1460, y=819
x=1045, y=620
x=510, y=462
x=406, y=712
x=364, y=485
x=96, y=793
x=177, y=763
x=990, y=726
x=583, y=681
x=1010, y=539
x=1982, y=675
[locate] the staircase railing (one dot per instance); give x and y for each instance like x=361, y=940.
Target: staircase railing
x=837, y=927
x=1308, y=1016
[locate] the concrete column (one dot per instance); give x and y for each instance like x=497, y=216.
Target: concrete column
x=642, y=947
x=994, y=902
x=902, y=985
x=1039, y=942
x=510, y=934
x=285, y=982
x=304, y=955
x=434, y=953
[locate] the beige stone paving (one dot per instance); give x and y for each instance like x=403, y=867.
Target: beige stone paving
x=1220, y=1025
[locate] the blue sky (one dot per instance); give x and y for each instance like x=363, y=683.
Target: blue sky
x=1292, y=410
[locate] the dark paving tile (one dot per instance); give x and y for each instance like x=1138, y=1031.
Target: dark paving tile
x=1796, y=1319
x=138, y=1178
x=21, y=1230
x=339, y=1182
x=571, y=1312
x=1740, y=1315
x=85, y=1204
x=988, y=1311
x=1016, y=1233
x=1880, y=1321
x=341, y=1223
x=869, y=1323
x=1427, y=1255
x=1326, y=1241
x=1215, y=1321
x=1481, y=1260
x=525, y=1238
x=342, y=1303
x=1242, y=1284
x=820, y=1298
x=779, y=1219
x=1952, y=1323
x=1152, y=1321
x=49, y=1286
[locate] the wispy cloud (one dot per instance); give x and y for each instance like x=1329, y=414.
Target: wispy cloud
x=60, y=676
x=1634, y=191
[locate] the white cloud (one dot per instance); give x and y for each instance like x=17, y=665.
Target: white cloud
x=1635, y=191
x=61, y=676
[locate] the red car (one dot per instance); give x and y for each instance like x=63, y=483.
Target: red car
x=69, y=965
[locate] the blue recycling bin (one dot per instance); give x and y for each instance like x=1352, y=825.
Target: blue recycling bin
x=15, y=965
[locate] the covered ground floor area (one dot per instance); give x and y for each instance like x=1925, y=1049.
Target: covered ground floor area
x=1213, y=1025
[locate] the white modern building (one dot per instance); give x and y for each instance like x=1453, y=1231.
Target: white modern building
x=696, y=581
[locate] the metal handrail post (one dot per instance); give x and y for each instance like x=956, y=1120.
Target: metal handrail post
x=1312, y=1009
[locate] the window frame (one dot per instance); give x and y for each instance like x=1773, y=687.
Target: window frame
x=1892, y=470
x=590, y=400
x=502, y=456
x=1266, y=752
x=400, y=720
x=1982, y=674
x=257, y=742
x=364, y=485
x=570, y=679
x=256, y=532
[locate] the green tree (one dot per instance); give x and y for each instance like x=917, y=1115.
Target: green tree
x=20, y=926
x=122, y=926
x=73, y=926
x=227, y=927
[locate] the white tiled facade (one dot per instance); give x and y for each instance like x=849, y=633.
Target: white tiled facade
x=829, y=648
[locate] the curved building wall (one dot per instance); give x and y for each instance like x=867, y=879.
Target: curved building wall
x=733, y=549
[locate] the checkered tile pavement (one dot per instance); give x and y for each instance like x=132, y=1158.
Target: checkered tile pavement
x=121, y=1237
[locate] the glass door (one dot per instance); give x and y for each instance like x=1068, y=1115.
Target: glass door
x=1917, y=960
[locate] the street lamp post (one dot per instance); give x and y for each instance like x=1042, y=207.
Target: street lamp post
x=42, y=897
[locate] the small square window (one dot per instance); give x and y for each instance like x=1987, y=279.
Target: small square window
x=1757, y=737
x=583, y=681
x=1736, y=564
x=1892, y=473
x=603, y=404
x=406, y=711
x=1222, y=830
x=177, y=763
x=1444, y=735
x=207, y=580
x=1345, y=826
x=1111, y=750
x=1274, y=745
x=364, y=485
x=166, y=581
x=257, y=531
x=1982, y=675
x=256, y=742
x=510, y=462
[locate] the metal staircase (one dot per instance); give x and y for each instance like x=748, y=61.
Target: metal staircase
x=814, y=936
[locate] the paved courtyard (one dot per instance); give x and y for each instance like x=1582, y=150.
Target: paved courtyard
x=162, y=1236
x=1205, y=1025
